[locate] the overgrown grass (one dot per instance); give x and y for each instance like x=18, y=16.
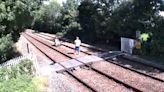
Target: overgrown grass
x=20, y=78
x=22, y=83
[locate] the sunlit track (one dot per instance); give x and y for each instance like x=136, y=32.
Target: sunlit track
x=134, y=70
x=99, y=72
x=62, y=49
x=131, y=69
x=32, y=42
x=69, y=45
x=51, y=37
x=137, y=71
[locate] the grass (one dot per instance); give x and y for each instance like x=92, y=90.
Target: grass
x=22, y=83
x=20, y=78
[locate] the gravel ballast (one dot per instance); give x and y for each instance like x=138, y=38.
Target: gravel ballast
x=161, y=76
x=99, y=82
x=145, y=84
x=65, y=83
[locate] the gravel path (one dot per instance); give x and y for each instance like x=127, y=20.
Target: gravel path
x=161, y=76
x=144, y=83
x=65, y=83
x=142, y=68
x=101, y=83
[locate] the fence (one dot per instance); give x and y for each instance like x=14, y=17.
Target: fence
x=17, y=60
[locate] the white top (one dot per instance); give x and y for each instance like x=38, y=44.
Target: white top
x=57, y=42
x=77, y=42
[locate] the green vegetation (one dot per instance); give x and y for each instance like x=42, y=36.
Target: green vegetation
x=105, y=21
x=46, y=18
x=6, y=50
x=15, y=16
x=19, y=78
x=22, y=83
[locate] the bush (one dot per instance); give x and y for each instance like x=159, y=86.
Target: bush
x=19, y=78
x=22, y=83
x=24, y=68
x=6, y=50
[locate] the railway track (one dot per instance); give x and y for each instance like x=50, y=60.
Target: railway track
x=134, y=70
x=54, y=60
x=121, y=65
x=69, y=45
x=93, y=68
x=99, y=73
x=51, y=37
x=144, y=69
x=143, y=62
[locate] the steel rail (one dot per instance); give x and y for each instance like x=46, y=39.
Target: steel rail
x=136, y=61
x=74, y=76
x=83, y=45
x=96, y=70
x=131, y=69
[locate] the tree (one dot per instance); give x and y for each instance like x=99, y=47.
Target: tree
x=69, y=21
x=86, y=17
x=94, y=17
x=46, y=19
x=16, y=15
x=6, y=50
x=105, y=20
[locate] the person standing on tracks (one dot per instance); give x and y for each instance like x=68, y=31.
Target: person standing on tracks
x=137, y=49
x=77, y=45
